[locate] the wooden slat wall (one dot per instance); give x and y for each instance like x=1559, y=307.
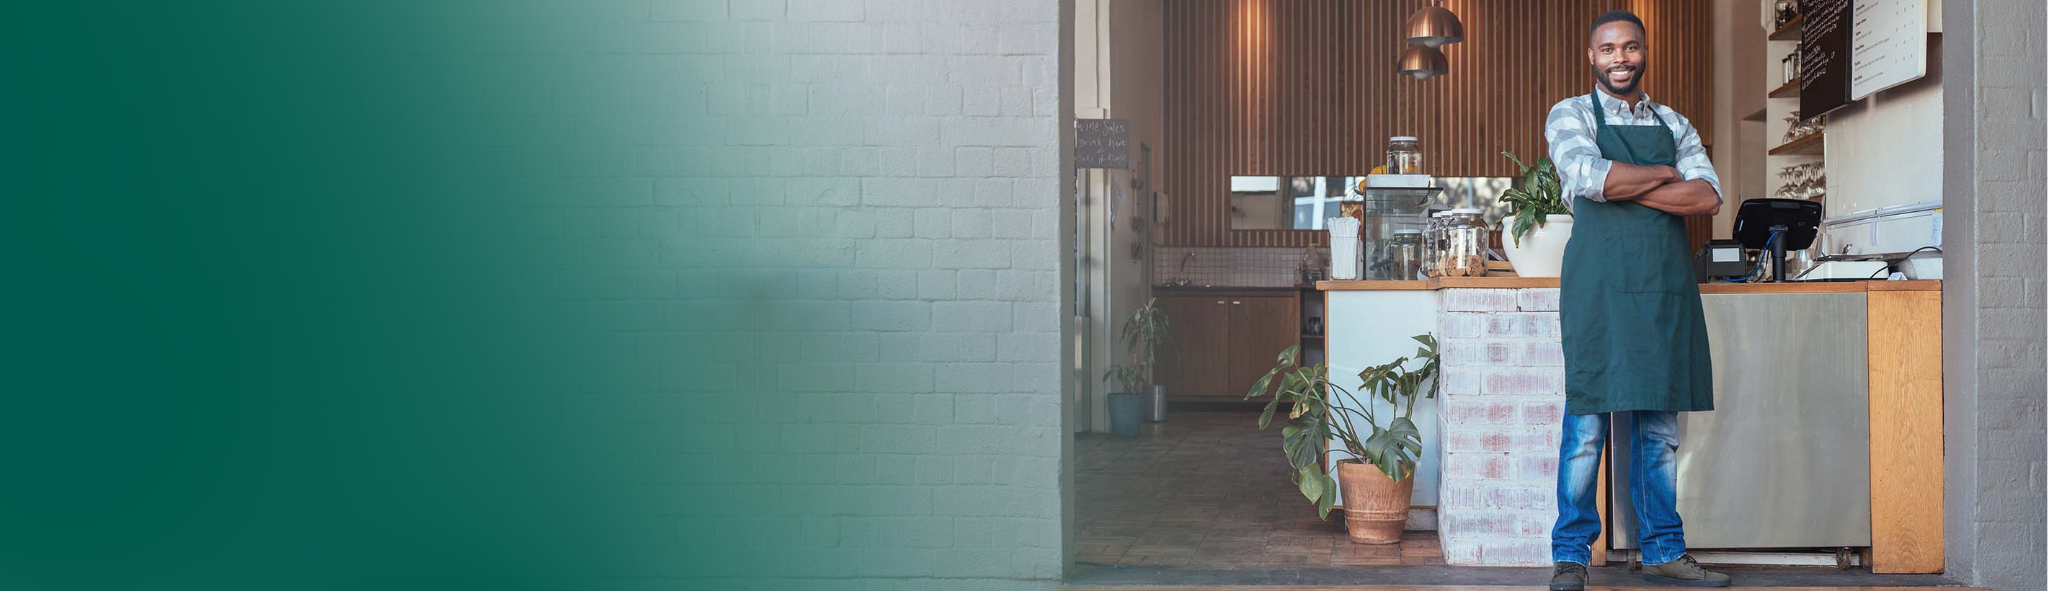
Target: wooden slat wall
x=1307, y=87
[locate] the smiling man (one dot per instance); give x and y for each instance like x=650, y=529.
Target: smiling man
x=1635, y=338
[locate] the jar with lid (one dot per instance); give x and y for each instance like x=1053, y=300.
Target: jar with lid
x=1464, y=241
x=1406, y=251
x=1404, y=155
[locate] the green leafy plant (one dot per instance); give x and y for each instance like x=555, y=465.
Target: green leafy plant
x=1130, y=377
x=1540, y=196
x=1143, y=333
x=1322, y=410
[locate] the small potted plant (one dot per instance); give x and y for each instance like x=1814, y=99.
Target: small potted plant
x=1137, y=399
x=1126, y=408
x=1144, y=332
x=1536, y=239
x=1377, y=476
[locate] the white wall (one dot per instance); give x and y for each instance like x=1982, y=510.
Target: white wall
x=1118, y=74
x=1738, y=148
x=1993, y=319
x=1136, y=91
x=1885, y=151
x=1368, y=328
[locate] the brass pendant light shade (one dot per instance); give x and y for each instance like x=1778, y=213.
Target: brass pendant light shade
x=1423, y=62
x=1434, y=26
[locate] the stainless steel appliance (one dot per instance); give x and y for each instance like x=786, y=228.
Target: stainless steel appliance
x=1783, y=461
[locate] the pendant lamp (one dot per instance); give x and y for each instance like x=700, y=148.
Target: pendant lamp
x=1434, y=26
x=1423, y=62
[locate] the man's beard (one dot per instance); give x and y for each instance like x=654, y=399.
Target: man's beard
x=1635, y=80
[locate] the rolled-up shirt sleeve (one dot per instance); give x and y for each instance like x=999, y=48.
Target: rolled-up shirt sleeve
x=1692, y=156
x=1577, y=156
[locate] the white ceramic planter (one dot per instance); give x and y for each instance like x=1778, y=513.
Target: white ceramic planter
x=1541, y=253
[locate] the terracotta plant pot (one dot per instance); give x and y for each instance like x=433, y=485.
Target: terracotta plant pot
x=1375, y=506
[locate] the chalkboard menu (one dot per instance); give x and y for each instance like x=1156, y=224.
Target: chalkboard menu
x=1824, y=56
x=1102, y=143
x=1890, y=45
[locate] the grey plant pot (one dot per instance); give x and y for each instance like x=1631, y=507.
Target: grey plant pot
x=1155, y=404
x=1126, y=414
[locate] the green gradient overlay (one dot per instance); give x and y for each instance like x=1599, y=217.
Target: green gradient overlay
x=468, y=295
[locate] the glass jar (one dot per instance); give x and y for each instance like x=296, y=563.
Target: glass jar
x=1432, y=243
x=1404, y=155
x=1464, y=238
x=1406, y=251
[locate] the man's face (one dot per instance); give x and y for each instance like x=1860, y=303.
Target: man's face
x=1618, y=57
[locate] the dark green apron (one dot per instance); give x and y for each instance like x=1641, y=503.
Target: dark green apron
x=1635, y=337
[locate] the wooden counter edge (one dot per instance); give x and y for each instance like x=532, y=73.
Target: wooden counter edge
x=1360, y=285
x=1915, y=285
x=1493, y=282
x=1821, y=287
x=1440, y=283
x=1905, y=389
x=1744, y=288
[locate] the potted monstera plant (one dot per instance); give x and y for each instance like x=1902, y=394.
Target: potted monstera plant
x=1541, y=224
x=1373, y=424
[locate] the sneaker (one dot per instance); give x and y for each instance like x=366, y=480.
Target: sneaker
x=1684, y=571
x=1568, y=576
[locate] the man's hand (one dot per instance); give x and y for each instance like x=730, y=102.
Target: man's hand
x=1629, y=182
x=1683, y=198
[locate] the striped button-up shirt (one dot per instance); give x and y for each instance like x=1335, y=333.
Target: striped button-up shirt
x=1570, y=130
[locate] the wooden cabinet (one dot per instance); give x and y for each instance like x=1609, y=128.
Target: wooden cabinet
x=1193, y=363
x=1223, y=341
x=1260, y=328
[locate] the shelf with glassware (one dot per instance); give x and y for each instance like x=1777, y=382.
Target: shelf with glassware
x=1796, y=155
x=1789, y=29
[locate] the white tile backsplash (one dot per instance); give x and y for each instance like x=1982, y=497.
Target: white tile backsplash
x=1233, y=266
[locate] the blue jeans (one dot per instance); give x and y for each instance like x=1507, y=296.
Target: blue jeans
x=1653, y=486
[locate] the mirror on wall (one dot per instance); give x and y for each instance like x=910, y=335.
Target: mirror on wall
x=1481, y=193
x=1304, y=202
x=1286, y=202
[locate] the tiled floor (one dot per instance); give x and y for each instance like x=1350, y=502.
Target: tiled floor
x=1208, y=490
x=1202, y=503
x=1448, y=588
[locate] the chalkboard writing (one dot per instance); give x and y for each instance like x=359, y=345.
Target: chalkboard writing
x=1824, y=56
x=1102, y=143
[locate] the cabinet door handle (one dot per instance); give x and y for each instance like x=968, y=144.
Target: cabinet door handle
x=1235, y=303
x=1219, y=301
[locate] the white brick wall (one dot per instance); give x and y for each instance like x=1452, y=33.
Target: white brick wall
x=1503, y=401
x=1994, y=319
x=858, y=221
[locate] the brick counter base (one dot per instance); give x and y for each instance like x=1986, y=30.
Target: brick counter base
x=1502, y=410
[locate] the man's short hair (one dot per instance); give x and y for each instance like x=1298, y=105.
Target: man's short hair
x=1617, y=16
